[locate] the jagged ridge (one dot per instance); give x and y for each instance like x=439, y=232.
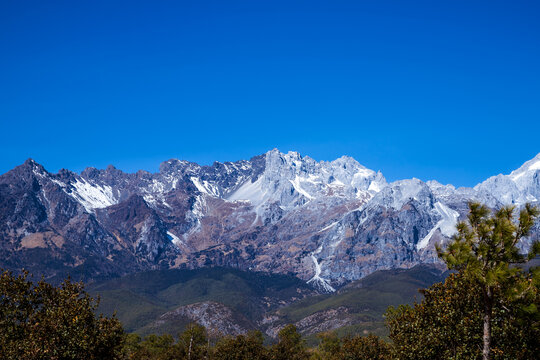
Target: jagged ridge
x=326, y=222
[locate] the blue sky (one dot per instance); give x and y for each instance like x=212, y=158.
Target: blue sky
x=446, y=90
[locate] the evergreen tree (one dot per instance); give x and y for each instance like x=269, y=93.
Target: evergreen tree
x=153, y=347
x=40, y=321
x=329, y=346
x=193, y=342
x=448, y=324
x=368, y=347
x=290, y=346
x=485, y=251
x=241, y=347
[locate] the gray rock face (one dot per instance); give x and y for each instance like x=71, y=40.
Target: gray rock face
x=215, y=317
x=326, y=222
x=518, y=188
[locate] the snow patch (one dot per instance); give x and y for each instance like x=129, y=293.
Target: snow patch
x=535, y=165
x=296, y=184
x=92, y=196
x=336, y=182
x=249, y=191
x=37, y=173
x=374, y=186
x=205, y=187
x=317, y=279
x=195, y=215
x=447, y=225
x=174, y=239
x=328, y=227
x=150, y=199
x=59, y=183
x=363, y=173
x=527, y=168
x=514, y=177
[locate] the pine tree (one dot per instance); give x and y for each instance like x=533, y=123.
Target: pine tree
x=291, y=346
x=485, y=251
x=194, y=342
x=447, y=324
x=241, y=347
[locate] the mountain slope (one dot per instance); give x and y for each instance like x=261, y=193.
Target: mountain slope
x=140, y=299
x=328, y=223
x=230, y=301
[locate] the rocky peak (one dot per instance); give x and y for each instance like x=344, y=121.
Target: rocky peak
x=174, y=166
x=400, y=192
x=31, y=163
x=90, y=173
x=25, y=176
x=527, y=178
x=519, y=187
x=132, y=209
x=66, y=175
x=31, y=166
x=325, y=221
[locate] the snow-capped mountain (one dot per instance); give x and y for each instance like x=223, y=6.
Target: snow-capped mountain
x=518, y=188
x=325, y=222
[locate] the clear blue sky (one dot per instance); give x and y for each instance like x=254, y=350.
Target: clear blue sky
x=448, y=90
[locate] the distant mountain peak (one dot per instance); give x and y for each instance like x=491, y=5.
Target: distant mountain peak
x=532, y=165
x=32, y=164
x=328, y=222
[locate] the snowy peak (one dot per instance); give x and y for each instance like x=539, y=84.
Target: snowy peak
x=533, y=164
x=33, y=165
x=27, y=171
x=400, y=192
x=337, y=220
x=518, y=188
x=528, y=169
x=291, y=180
x=217, y=180
x=439, y=188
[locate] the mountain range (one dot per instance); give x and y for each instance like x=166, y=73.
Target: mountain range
x=327, y=223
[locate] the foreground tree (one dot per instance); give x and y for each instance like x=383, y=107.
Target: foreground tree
x=448, y=324
x=485, y=250
x=153, y=347
x=193, y=342
x=241, y=347
x=40, y=321
x=290, y=346
x=368, y=347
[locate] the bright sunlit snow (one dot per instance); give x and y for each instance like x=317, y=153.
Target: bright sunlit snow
x=317, y=278
x=93, y=196
x=174, y=239
x=447, y=224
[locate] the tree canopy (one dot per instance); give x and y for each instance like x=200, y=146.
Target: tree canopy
x=41, y=321
x=448, y=323
x=485, y=251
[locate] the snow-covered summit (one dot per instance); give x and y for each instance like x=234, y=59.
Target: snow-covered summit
x=291, y=180
x=527, y=178
x=328, y=222
x=528, y=168
x=519, y=187
x=398, y=193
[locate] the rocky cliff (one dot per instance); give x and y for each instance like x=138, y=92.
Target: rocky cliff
x=328, y=223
